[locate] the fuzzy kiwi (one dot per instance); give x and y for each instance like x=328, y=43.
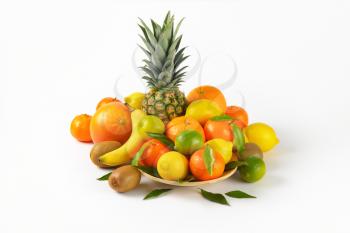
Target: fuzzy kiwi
x=100, y=149
x=124, y=179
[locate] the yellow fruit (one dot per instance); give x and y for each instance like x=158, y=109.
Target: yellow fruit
x=202, y=110
x=135, y=99
x=223, y=147
x=172, y=166
x=262, y=135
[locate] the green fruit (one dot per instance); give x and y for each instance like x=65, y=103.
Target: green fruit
x=223, y=147
x=151, y=124
x=253, y=170
x=188, y=141
x=250, y=149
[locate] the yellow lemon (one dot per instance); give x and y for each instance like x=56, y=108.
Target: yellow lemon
x=172, y=166
x=135, y=99
x=263, y=135
x=202, y=110
x=223, y=147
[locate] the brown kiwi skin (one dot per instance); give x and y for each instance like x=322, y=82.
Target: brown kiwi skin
x=100, y=149
x=124, y=179
x=251, y=149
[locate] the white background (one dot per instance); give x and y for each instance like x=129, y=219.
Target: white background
x=58, y=58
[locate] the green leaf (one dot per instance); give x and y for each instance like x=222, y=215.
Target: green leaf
x=231, y=165
x=214, y=197
x=238, y=138
x=238, y=194
x=209, y=159
x=136, y=159
x=222, y=118
x=163, y=139
x=149, y=170
x=156, y=193
x=104, y=177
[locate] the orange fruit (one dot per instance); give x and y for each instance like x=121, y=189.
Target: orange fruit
x=198, y=169
x=210, y=93
x=218, y=129
x=111, y=122
x=80, y=128
x=237, y=113
x=180, y=124
x=106, y=100
x=153, y=150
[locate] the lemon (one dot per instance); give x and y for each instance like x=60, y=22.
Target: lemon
x=223, y=147
x=202, y=110
x=135, y=99
x=172, y=166
x=263, y=135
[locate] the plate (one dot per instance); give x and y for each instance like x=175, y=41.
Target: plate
x=226, y=175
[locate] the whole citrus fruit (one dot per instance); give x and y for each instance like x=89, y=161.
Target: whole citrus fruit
x=111, y=122
x=218, y=129
x=135, y=99
x=263, y=135
x=80, y=128
x=153, y=150
x=237, y=113
x=210, y=93
x=253, y=170
x=182, y=123
x=172, y=166
x=106, y=100
x=223, y=147
x=202, y=110
x=200, y=171
x=188, y=142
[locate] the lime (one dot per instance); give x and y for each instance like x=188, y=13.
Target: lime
x=253, y=169
x=172, y=166
x=188, y=141
x=263, y=135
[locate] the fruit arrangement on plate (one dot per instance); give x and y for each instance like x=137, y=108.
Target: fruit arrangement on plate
x=167, y=136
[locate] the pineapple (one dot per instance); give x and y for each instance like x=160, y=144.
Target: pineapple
x=163, y=70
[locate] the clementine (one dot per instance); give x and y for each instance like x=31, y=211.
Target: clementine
x=80, y=128
x=210, y=93
x=180, y=124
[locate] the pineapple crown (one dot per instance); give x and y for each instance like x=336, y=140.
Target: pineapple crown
x=161, y=46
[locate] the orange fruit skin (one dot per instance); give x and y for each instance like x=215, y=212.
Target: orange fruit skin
x=106, y=100
x=238, y=113
x=111, y=122
x=210, y=93
x=154, y=149
x=199, y=170
x=180, y=124
x=80, y=128
x=218, y=129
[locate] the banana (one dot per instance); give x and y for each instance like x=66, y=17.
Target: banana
x=141, y=123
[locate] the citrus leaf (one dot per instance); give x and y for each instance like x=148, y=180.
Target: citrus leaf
x=149, y=170
x=238, y=194
x=209, y=159
x=231, y=165
x=222, y=118
x=163, y=139
x=136, y=159
x=104, y=177
x=238, y=138
x=155, y=193
x=214, y=197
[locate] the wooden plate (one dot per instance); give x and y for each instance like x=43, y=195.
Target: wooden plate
x=226, y=175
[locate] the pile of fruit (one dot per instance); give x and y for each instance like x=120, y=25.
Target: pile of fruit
x=192, y=138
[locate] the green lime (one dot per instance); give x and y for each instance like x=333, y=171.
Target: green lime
x=253, y=169
x=188, y=141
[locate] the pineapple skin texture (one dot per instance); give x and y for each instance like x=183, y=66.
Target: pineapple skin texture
x=165, y=104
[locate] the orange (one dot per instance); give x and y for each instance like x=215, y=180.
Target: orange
x=80, y=128
x=180, y=124
x=237, y=113
x=218, y=129
x=106, y=100
x=153, y=150
x=210, y=93
x=111, y=122
x=198, y=169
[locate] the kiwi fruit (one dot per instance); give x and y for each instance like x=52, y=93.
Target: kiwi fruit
x=124, y=179
x=251, y=149
x=102, y=148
